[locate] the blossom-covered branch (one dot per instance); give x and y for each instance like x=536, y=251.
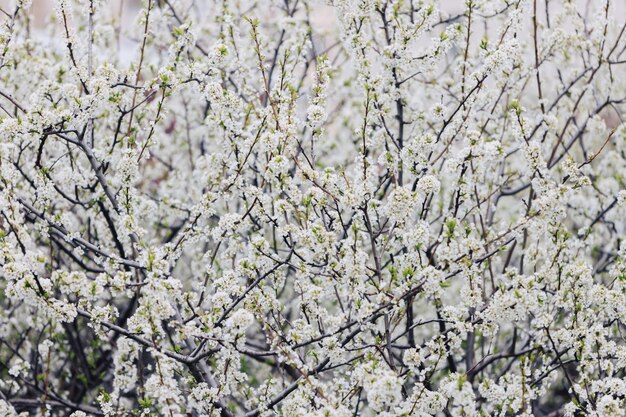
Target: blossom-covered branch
x=308, y=208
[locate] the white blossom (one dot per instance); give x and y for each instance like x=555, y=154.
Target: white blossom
x=305, y=208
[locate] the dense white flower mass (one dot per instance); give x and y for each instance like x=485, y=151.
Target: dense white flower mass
x=313, y=208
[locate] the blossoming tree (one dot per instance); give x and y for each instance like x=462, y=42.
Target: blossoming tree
x=300, y=208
